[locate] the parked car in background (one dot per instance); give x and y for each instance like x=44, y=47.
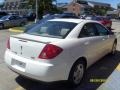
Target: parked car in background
x=12, y=21
x=68, y=15
x=59, y=49
x=13, y=14
x=3, y=14
x=117, y=18
x=103, y=20
x=63, y=15
x=30, y=16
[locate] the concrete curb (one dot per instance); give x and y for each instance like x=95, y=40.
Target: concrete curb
x=15, y=30
x=113, y=81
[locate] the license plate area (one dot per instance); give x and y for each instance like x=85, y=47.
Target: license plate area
x=18, y=65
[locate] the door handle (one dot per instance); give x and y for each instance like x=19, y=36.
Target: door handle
x=105, y=38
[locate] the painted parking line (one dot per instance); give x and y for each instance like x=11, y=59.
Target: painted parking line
x=19, y=88
x=118, y=67
x=112, y=82
x=15, y=30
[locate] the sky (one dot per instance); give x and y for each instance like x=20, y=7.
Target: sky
x=1, y=0
x=112, y=2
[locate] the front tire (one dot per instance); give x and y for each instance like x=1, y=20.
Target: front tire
x=114, y=48
x=22, y=24
x=76, y=73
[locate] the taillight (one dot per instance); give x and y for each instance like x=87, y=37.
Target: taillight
x=8, y=43
x=50, y=51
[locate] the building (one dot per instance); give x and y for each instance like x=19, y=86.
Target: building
x=114, y=13
x=118, y=5
x=62, y=6
x=15, y=6
x=85, y=7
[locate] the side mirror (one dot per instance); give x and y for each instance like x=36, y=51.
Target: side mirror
x=110, y=32
x=109, y=28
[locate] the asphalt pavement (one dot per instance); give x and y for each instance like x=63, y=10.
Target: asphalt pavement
x=94, y=76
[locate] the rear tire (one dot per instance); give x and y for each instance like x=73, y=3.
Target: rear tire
x=77, y=73
x=1, y=26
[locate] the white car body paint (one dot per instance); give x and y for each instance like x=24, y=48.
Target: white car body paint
x=28, y=64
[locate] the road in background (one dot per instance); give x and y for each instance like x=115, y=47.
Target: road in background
x=99, y=71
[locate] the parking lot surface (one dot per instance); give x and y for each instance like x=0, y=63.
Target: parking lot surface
x=94, y=76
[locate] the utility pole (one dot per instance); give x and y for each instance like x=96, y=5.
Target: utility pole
x=56, y=2
x=36, y=19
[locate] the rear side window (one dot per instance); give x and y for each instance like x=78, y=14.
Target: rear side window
x=88, y=30
x=55, y=29
x=101, y=30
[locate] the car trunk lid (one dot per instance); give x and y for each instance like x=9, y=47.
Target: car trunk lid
x=29, y=46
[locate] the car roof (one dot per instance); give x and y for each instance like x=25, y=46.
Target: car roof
x=73, y=20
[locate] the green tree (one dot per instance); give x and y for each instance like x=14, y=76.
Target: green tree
x=118, y=6
x=1, y=3
x=44, y=6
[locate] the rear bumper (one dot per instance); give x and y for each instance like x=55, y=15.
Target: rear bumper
x=43, y=71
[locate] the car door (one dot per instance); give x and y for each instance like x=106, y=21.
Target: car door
x=6, y=22
x=91, y=43
x=106, y=37
x=18, y=20
x=12, y=21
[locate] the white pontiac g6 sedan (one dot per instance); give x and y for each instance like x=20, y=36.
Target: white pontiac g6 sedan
x=59, y=49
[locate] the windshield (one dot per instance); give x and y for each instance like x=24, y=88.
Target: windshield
x=4, y=17
x=54, y=29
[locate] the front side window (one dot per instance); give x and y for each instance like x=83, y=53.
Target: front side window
x=101, y=30
x=88, y=30
x=55, y=29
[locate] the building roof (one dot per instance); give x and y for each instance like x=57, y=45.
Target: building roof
x=12, y=0
x=59, y=5
x=99, y=3
x=92, y=3
x=86, y=6
x=113, y=12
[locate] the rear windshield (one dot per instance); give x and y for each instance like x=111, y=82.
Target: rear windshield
x=54, y=29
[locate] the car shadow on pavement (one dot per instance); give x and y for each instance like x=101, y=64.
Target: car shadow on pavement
x=93, y=78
